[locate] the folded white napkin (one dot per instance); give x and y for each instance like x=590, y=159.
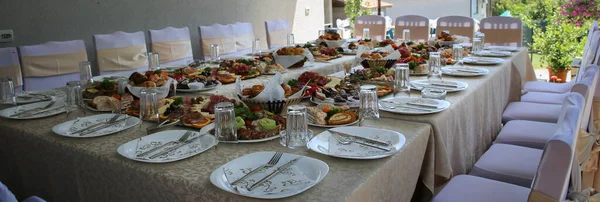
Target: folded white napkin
x=192, y=148
x=289, y=180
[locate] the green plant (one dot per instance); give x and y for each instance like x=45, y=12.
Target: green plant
x=353, y=9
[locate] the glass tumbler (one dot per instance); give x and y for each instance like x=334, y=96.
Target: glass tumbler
x=369, y=103
x=481, y=36
x=8, y=91
x=153, y=62
x=406, y=35
x=457, y=53
x=149, y=105
x=401, y=79
x=433, y=93
x=366, y=33
x=477, y=46
x=214, y=53
x=435, y=65
x=85, y=74
x=321, y=33
x=296, y=135
x=290, y=40
x=74, y=98
x=225, y=123
x=256, y=47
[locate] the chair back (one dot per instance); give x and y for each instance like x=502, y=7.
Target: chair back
x=121, y=52
x=591, y=55
x=418, y=26
x=10, y=66
x=243, y=36
x=219, y=34
x=588, y=42
x=277, y=31
x=502, y=31
x=375, y=23
x=554, y=171
x=51, y=65
x=456, y=25
x=587, y=87
x=173, y=45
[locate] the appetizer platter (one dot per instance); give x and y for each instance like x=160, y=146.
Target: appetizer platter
x=416, y=64
x=331, y=39
x=103, y=96
x=194, y=79
x=291, y=57
x=243, y=67
x=329, y=116
x=445, y=39
x=268, y=66
x=323, y=53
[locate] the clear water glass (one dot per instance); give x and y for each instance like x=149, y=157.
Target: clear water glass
x=255, y=47
x=290, y=40
x=401, y=79
x=435, y=65
x=477, y=46
x=225, y=123
x=366, y=33
x=214, y=53
x=153, y=62
x=149, y=105
x=321, y=33
x=85, y=74
x=481, y=36
x=8, y=91
x=296, y=134
x=369, y=103
x=74, y=98
x=406, y=35
x=457, y=53
x=433, y=93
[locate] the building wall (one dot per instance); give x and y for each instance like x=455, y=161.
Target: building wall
x=39, y=21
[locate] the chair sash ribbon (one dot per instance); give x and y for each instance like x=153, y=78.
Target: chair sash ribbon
x=172, y=50
x=125, y=58
x=226, y=45
x=243, y=42
x=278, y=37
x=13, y=71
x=52, y=65
x=508, y=37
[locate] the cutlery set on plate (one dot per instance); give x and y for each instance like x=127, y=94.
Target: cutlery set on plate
x=274, y=160
x=102, y=125
x=169, y=146
x=35, y=111
x=409, y=105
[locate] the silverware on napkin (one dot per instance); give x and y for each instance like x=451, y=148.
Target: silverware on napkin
x=274, y=160
x=104, y=126
x=268, y=177
x=345, y=141
x=187, y=142
x=113, y=119
x=183, y=138
x=369, y=140
x=41, y=111
x=34, y=109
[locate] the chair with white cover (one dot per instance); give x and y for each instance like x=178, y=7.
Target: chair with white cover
x=418, y=26
x=456, y=25
x=243, y=36
x=550, y=112
x=375, y=23
x=550, y=167
x=121, y=52
x=502, y=31
x=218, y=34
x=277, y=31
x=52, y=64
x=173, y=45
x=10, y=67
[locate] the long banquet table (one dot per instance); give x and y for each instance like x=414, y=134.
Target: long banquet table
x=38, y=162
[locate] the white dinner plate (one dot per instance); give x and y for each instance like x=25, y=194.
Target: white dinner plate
x=399, y=105
x=482, y=61
x=466, y=72
x=325, y=144
x=502, y=48
x=139, y=145
x=305, y=173
x=25, y=97
x=200, y=90
x=66, y=128
x=494, y=53
x=424, y=83
x=57, y=108
x=209, y=127
x=351, y=104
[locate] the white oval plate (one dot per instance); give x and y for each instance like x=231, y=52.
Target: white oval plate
x=63, y=128
x=209, y=127
x=313, y=169
x=420, y=84
x=321, y=142
x=482, y=61
x=25, y=98
x=200, y=90
x=456, y=71
x=139, y=145
x=58, y=105
x=396, y=101
x=331, y=126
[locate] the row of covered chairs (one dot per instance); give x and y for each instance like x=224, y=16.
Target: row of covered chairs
x=499, y=30
x=52, y=64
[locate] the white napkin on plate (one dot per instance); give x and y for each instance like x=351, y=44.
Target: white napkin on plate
x=358, y=150
x=85, y=122
x=289, y=180
x=196, y=85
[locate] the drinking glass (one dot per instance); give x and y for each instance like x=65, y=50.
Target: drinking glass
x=214, y=53
x=149, y=105
x=369, y=106
x=8, y=91
x=366, y=33
x=321, y=33
x=406, y=35
x=85, y=74
x=433, y=93
x=74, y=98
x=296, y=135
x=255, y=47
x=457, y=53
x=225, y=123
x=290, y=40
x=153, y=62
x=435, y=65
x=401, y=79
x=477, y=46
x=481, y=36
x=124, y=104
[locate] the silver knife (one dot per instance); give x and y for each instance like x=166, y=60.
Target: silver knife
x=41, y=111
x=428, y=106
x=362, y=138
x=92, y=126
x=268, y=177
x=104, y=126
x=176, y=147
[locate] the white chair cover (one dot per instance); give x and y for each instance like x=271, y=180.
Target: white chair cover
x=277, y=31
x=456, y=25
x=121, y=52
x=375, y=23
x=10, y=66
x=586, y=87
x=418, y=26
x=219, y=34
x=51, y=65
x=593, y=29
x=173, y=45
x=243, y=35
x=502, y=31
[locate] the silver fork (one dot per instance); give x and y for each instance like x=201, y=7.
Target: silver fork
x=183, y=138
x=111, y=120
x=32, y=110
x=271, y=163
x=347, y=141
